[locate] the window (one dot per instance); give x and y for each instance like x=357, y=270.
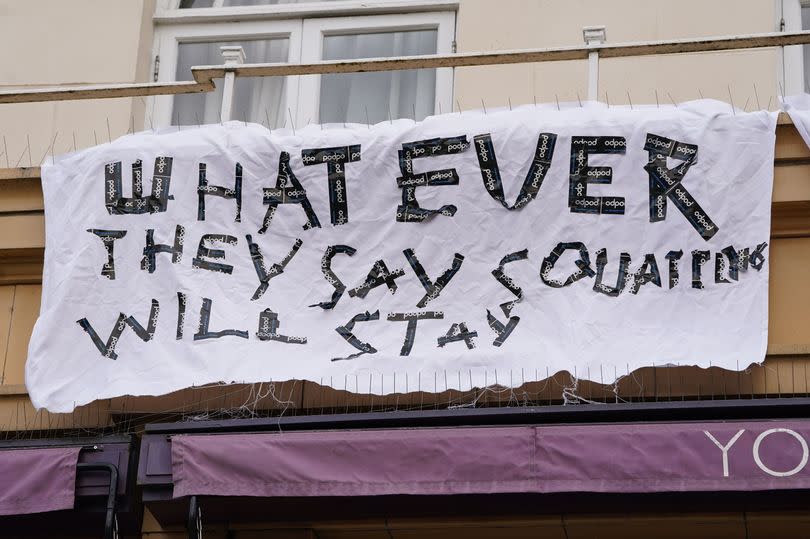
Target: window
x=191, y=32
x=253, y=97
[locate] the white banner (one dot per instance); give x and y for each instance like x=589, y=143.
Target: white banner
x=464, y=250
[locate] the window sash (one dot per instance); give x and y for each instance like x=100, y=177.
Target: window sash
x=314, y=31
x=168, y=39
x=305, y=45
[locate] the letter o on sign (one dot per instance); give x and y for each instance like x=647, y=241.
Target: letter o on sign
x=774, y=473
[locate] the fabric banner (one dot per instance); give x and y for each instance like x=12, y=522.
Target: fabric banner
x=617, y=458
x=463, y=250
x=798, y=108
x=37, y=480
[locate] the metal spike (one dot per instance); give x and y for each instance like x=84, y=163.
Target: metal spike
x=731, y=101
x=49, y=148
x=292, y=123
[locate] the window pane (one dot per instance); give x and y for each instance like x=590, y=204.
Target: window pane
x=186, y=4
x=255, y=99
x=345, y=97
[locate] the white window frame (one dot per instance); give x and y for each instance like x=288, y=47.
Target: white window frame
x=791, y=67
x=314, y=31
x=169, y=38
x=304, y=25
x=168, y=12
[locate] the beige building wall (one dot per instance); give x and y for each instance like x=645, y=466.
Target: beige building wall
x=98, y=41
x=75, y=42
x=525, y=24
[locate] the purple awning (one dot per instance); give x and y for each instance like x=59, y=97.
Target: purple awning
x=37, y=480
x=673, y=457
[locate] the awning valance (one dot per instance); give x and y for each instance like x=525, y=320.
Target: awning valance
x=37, y=480
x=620, y=458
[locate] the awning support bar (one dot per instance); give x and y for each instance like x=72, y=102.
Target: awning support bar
x=110, y=521
x=194, y=520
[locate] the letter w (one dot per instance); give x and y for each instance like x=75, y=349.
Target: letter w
x=108, y=349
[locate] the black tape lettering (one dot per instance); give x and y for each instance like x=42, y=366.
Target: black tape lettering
x=335, y=159
x=491, y=174
x=204, y=252
x=117, y=204
x=727, y=261
x=205, y=319
x=674, y=257
x=503, y=331
x=108, y=349
x=432, y=289
x=346, y=333
x=410, y=331
x=275, y=270
x=181, y=314
x=666, y=183
x=282, y=194
x=331, y=277
x=268, y=329
x=583, y=264
x=621, y=278
x=757, y=258
x=698, y=259
x=108, y=238
x=377, y=276
x=582, y=174
x=203, y=190
x=647, y=273
x=148, y=262
x=410, y=211
x=458, y=332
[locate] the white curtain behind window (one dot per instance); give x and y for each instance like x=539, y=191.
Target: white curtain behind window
x=255, y=98
x=346, y=97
